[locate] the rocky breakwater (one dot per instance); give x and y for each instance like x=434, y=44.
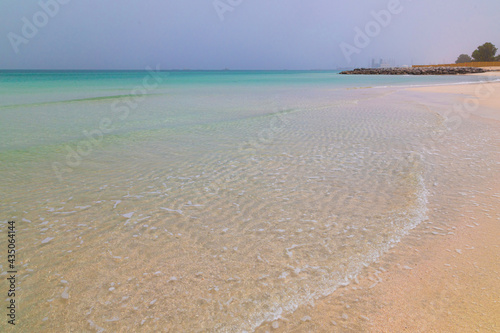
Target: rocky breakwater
x=416, y=71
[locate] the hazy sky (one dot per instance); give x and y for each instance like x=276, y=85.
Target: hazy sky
x=240, y=34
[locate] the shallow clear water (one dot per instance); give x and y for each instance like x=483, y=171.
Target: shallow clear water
x=204, y=201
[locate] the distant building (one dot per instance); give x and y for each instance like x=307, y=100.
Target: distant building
x=376, y=63
x=382, y=63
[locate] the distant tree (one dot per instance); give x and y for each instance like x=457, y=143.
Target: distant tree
x=463, y=58
x=497, y=58
x=485, y=52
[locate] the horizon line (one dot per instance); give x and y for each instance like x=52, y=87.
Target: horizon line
x=173, y=69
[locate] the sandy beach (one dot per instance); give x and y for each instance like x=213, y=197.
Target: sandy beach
x=443, y=277
x=484, y=99
x=250, y=166
x=329, y=209
x=453, y=284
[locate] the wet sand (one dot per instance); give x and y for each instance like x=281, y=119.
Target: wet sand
x=454, y=285
x=441, y=277
x=451, y=284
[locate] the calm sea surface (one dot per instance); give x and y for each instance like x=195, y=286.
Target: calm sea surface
x=209, y=201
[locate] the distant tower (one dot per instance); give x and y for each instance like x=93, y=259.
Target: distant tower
x=377, y=63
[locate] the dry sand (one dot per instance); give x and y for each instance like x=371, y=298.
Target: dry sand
x=482, y=98
x=454, y=286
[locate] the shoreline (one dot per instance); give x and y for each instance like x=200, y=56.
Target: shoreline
x=456, y=281
x=452, y=285
x=444, y=275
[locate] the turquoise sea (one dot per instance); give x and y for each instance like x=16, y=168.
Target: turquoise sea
x=219, y=201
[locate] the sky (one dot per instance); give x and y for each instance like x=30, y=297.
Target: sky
x=241, y=34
